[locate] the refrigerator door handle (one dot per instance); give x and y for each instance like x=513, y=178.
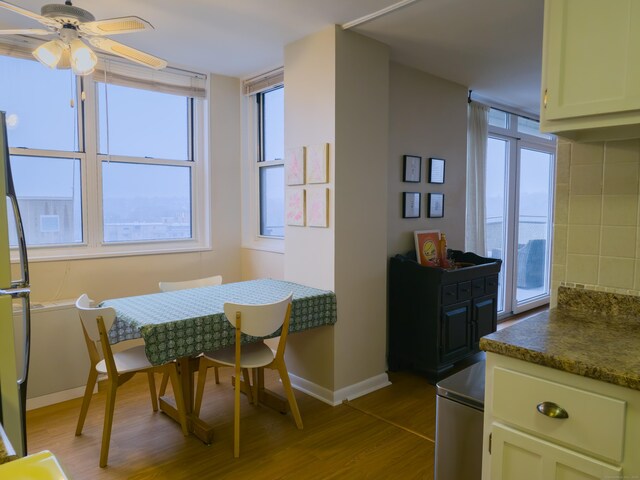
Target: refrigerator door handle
x=26, y=319
x=22, y=242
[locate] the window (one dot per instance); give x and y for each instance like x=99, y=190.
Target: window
x=106, y=165
x=270, y=161
x=519, y=206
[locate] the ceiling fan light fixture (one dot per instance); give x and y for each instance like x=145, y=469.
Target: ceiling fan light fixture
x=83, y=60
x=49, y=53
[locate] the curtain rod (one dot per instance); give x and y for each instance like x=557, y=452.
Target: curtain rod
x=497, y=106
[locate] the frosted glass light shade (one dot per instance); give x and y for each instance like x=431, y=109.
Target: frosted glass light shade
x=83, y=60
x=49, y=53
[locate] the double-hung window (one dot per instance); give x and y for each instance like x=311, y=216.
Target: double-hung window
x=106, y=165
x=270, y=107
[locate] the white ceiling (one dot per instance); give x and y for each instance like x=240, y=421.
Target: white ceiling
x=491, y=46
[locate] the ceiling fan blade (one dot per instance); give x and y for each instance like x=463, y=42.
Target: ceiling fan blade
x=111, y=26
x=28, y=13
x=129, y=53
x=26, y=31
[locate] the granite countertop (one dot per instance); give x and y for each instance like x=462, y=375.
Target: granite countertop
x=596, y=345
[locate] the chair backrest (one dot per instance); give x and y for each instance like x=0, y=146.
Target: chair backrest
x=259, y=320
x=89, y=316
x=198, y=282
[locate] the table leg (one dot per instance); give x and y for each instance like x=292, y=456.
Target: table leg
x=187, y=366
x=264, y=396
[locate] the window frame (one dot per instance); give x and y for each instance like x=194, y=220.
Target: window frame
x=93, y=244
x=252, y=155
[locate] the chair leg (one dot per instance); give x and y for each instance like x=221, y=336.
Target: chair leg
x=152, y=390
x=286, y=383
x=178, y=394
x=202, y=378
x=112, y=387
x=163, y=385
x=88, y=393
x=236, y=416
x=215, y=370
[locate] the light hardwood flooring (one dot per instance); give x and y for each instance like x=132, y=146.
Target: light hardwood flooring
x=386, y=434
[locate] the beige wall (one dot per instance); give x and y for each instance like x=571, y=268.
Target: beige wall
x=428, y=117
x=597, y=219
x=337, y=93
x=123, y=276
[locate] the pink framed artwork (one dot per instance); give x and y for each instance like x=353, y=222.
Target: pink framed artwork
x=294, y=165
x=295, y=207
x=318, y=163
x=317, y=207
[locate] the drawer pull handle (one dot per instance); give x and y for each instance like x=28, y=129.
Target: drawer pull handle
x=552, y=410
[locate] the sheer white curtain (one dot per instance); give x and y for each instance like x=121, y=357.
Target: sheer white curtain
x=477, y=135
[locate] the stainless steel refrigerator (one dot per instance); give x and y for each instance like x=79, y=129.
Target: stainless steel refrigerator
x=14, y=292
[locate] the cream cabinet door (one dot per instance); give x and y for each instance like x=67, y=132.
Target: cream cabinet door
x=516, y=455
x=591, y=58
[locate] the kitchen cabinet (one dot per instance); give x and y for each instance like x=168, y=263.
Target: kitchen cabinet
x=437, y=316
x=591, y=69
x=597, y=439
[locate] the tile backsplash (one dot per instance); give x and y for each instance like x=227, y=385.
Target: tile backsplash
x=597, y=220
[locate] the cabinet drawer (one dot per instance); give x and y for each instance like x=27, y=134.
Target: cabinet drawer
x=464, y=291
x=477, y=287
x=595, y=423
x=491, y=284
x=449, y=294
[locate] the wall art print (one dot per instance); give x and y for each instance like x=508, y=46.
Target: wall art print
x=317, y=207
x=294, y=165
x=296, y=207
x=318, y=163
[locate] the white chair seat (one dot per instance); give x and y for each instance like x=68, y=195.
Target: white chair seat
x=127, y=360
x=253, y=355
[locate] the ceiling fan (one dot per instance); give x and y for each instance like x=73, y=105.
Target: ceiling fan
x=71, y=24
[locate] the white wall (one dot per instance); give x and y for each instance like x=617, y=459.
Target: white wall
x=337, y=92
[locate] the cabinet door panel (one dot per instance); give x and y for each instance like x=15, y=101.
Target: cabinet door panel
x=455, y=331
x=484, y=316
x=591, y=57
x=516, y=455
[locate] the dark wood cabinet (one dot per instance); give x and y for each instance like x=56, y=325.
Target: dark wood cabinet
x=437, y=316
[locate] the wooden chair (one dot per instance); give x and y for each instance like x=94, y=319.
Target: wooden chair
x=172, y=286
x=119, y=368
x=257, y=321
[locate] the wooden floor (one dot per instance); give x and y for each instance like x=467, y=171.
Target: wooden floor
x=386, y=434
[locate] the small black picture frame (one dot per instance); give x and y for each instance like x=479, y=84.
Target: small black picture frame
x=436, y=170
x=412, y=171
x=411, y=205
x=435, y=205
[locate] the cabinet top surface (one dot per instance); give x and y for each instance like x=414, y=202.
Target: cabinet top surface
x=597, y=346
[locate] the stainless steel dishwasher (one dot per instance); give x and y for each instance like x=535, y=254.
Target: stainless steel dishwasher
x=459, y=419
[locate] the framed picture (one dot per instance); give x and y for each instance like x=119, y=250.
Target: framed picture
x=295, y=207
x=436, y=170
x=318, y=163
x=294, y=165
x=435, y=205
x=317, y=211
x=427, y=247
x=411, y=205
x=412, y=169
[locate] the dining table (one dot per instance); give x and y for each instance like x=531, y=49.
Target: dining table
x=182, y=324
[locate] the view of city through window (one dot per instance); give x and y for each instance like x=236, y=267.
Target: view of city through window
x=144, y=152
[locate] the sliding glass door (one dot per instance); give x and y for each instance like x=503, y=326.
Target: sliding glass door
x=519, y=206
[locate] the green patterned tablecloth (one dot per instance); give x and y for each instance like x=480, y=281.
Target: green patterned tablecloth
x=188, y=322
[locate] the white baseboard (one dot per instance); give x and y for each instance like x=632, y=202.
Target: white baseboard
x=56, y=397
x=334, y=398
